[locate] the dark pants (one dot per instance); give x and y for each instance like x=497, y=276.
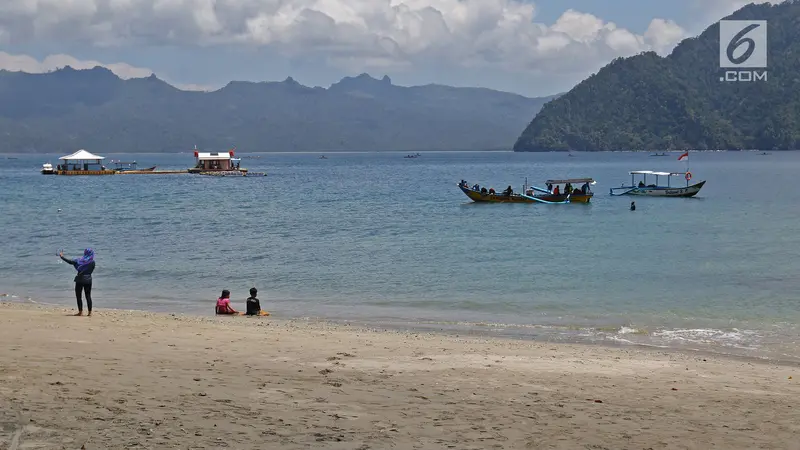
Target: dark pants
x=87, y=289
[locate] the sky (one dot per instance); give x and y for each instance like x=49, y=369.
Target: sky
x=531, y=47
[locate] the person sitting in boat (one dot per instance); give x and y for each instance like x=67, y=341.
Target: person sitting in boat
x=568, y=188
x=641, y=184
x=224, y=303
x=585, y=188
x=550, y=187
x=556, y=191
x=491, y=191
x=254, y=305
x=476, y=187
x=484, y=191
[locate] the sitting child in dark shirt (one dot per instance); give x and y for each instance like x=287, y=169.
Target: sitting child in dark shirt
x=253, y=305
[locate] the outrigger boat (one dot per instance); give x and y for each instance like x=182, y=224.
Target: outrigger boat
x=654, y=190
x=532, y=194
x=555, y=192
x=131, y=167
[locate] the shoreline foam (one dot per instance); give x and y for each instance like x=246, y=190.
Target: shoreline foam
x=682, y=339
x=130, y=378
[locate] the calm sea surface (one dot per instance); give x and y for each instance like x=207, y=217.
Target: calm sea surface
x=381, y=239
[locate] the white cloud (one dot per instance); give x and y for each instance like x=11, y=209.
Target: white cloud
x=713, y=10
x=350, y=34
x=25, y=63
x=663, y=35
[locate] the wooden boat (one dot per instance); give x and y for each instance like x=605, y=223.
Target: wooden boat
x=530, y=194
x=131, y=167
x=581, y=190
x=656, y=190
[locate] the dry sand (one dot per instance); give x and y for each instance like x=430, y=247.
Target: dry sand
x=124, y=379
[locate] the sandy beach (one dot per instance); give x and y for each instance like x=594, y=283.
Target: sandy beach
x=126, y=379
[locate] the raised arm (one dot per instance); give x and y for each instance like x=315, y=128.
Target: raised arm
x=67, y=260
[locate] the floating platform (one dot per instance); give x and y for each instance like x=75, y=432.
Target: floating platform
x=153, y=172
x=85, y=172
x=232, y=173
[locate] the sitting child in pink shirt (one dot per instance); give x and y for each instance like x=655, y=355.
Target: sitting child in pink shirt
x=224, y=304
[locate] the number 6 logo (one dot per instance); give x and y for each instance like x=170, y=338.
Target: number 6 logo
x=738, y=40
x=748, y=34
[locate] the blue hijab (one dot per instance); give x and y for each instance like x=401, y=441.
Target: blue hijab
x=88, y=258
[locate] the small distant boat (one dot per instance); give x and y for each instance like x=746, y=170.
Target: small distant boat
x=412, y=156
x=323, y=157
x=47, y=169
x=656, y=190
x=765, y=153
x=659, y=154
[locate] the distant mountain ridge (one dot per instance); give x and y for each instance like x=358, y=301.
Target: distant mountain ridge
x=94, y=109
x=647, y=102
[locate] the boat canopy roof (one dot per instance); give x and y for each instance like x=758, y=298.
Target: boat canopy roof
x=213, y=156
x=660, y=174
x=571, y=181
x=81, y=155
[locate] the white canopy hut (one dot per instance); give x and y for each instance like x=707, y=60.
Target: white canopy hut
x=82, y=155
x=82, y=158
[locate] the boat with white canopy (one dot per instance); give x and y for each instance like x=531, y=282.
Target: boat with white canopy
x=658, y=190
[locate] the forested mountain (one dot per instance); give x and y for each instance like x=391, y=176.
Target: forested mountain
x=682, y=101
x=93, y=109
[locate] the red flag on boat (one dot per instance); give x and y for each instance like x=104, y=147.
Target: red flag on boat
x=684, y=157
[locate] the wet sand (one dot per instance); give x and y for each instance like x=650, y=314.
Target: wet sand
x=124, y=379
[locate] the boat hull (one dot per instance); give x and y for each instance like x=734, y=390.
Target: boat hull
x=478, y=197
x=217, y=171
x=661, y=191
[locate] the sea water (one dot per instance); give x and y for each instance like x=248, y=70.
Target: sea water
x=380, y=239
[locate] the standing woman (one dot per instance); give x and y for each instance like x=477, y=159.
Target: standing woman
x=83, y=280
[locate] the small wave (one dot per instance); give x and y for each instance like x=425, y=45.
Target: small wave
x=744, y=339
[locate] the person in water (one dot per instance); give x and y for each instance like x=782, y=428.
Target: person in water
x=633, y=206
x=83, y=280
x=254, y=305
x=224, y=303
